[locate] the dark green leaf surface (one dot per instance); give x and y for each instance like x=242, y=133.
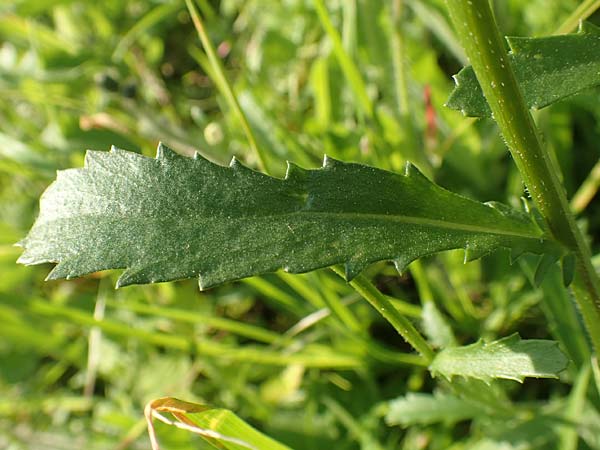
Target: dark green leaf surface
x=175, y=217
x=548, y=69
x=510, y=358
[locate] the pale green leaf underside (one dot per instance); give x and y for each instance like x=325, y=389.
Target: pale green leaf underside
x=427, y=409
x=175, y=217
x=509, y=358
x=548, y=69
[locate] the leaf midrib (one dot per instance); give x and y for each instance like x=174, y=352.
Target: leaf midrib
x=435, y=223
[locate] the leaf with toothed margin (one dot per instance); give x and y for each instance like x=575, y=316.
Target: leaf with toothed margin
x=427, y=409
x=548, y=69
x=175, y=217
x=510, y=358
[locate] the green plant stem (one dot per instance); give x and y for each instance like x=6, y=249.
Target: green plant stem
x=223, y=85
x=380, y=302
x=480, y=36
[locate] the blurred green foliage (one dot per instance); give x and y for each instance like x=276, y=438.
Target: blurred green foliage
x=78, y=360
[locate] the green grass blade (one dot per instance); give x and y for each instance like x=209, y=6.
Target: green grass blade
x=220, y=427
x=568, y=434
x=224, y=86
x=141, y=27
x=349, y=68
x=219, y=323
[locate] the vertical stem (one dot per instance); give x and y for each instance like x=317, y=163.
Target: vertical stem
x=480, y=36
x=384, y=307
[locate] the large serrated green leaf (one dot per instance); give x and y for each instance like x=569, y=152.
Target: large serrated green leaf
x=509, y=358
x=175, y=217
x=548, y=69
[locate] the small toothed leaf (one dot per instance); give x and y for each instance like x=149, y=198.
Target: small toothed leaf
x=426, y=409
x=436, y=327
x=175, y=217
x=548, y=69
x=509, y=358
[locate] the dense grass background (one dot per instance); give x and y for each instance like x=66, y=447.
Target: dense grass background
x=77, y=75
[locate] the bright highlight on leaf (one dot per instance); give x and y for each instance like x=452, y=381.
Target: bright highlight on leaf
x=220, y=427
x=509, y=358
x=548, y=69
x=175, y=217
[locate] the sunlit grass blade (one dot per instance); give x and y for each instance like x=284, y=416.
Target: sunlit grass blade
x=223, y=84
x=310, y=356
x=220, y=427
x=568, y=434
x=349, y=68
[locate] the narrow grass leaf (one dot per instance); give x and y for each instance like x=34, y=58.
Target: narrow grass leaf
x=568, y=434
x=349, y=68
x=220, y=427
x=509, y=358
x=548, y=69
x=175, y=217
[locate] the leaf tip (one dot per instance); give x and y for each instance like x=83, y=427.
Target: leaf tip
x=163, y=152
x=588, y=28
x=25, y=260
x=205, y=283
x=473, y=252
x=238, y=166
x=401, y=264
x=412, y=171
x=294, y=171
x=514, y=254
x=133, y=276
x=59, y=272
x=329, y=162
x=544, y=264
x=352, y=269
